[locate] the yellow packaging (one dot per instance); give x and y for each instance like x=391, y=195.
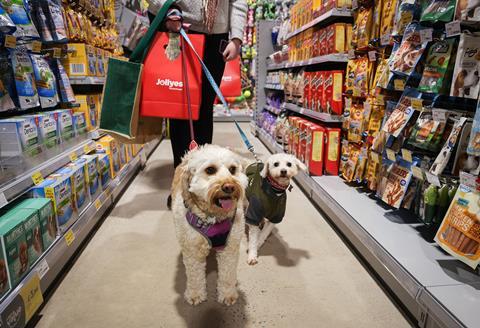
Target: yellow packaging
x=108, y=145
x=348, y=36
x=100, y=62
x=76, y=63
x=89, y=109
x=388, y=15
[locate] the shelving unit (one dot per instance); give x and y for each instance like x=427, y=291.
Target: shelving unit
x=238, y=118
x=324, y=117
x=87, y=80
x=274, y=87
x=331, y=58
x=16, y=309
x=273, y=110
x=437, y=290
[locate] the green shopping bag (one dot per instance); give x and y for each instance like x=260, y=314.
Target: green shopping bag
x=120, y=113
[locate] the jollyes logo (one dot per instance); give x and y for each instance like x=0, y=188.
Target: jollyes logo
x=172, y=85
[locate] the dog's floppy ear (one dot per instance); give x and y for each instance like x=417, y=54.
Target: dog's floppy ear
x=300, y=165
x=265, y=169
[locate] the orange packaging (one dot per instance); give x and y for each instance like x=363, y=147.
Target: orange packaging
x=334, y=101
x=319, y=93
x=317, y=8
x=327, y=5
x=322, y=42
x=327, y=90
x=307, y=89
x=335, y=38
x=315, y=44
x=296, y=137
x=348, y=36
x=314, y=149
x=332, y=150
x=304, y=127
x=291, y=137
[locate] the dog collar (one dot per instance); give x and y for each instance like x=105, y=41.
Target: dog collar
x=275, y=185
x=216, y=233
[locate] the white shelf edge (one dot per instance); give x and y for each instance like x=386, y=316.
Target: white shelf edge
x=87, y=80
x=324, y=117
x=330, y=58
x=273, y=110
x=238, y=118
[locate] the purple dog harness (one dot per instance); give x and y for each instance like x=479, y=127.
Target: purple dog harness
x=216, y=233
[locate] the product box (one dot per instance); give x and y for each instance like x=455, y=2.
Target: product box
x=332, y=150
x=89, y=109
x=19, y=136
x=335, y=38
x=80, y=192
x=4, y=281
x=65, y=128
x=15, y=248
x=322, y=42
x=59, y=190
x=314, y=151
x=319, y=91
x=91, y=168
x=46, y=215
x=303, y=135
x=79, y=123
x=33, y=234
x=48, y=129
x=78, y=61
x=104, y=170
x=100, y=62
x=332, y=99
x=348, y=36
x=123, y=154
x=108, y=145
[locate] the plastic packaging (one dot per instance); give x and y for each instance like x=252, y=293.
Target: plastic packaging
x=45, y=80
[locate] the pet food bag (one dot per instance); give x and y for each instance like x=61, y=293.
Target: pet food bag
x=434, y=78
x=474, y=141
x=405, y=59
x=24, y=81
x=45, y=81
x=438, y=11
x=18, y=14
x=459, y=233
x=467, y=10
x=466, y=78
x=7, y=83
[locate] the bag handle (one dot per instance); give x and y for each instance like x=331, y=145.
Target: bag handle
x=140, y=52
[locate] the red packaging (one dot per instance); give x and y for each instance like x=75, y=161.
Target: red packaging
x=292, y=141
x=163, y=90
x=333, y=93
x=327, y=5
x=315, y=148
x=335, y=38
x=296, y=136
x=315, y=44
x=327, y=90
x=302, y=145
x=313, y=86
x=307, y=89
x=322, y=37
x=332, y=150
x=231, y=85
x=319, y=97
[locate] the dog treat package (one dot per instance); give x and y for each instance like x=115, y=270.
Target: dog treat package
x=351, y=164
x=445, y=153
x=315, y=149
x=402, y=113
x=372, y=170
x=361, y=81
x=388, y=15
x=45, y=81
x=407, y=11
x=397, y=183
x=428, y=131
x=41, y=22
x=405, y=59
x=104, y=170
x=65, y=90
x=358, y=175
x=385, y=168
x=344, y=156
x=377, y=19
x=26, y=89
x=7, y=83
x=435, y=76
x=350, y=76
x=80, y=193
x=467, y=10
x=465, y=82
x=53, y=12
x=375, y=121
x=461, y=161
x=459, y=232
x=382, y=64
x=362, y=30
x=18, y=14
x=6, y=24
x=438, y=11
x=332, y=150
x=356, y=120
x=33, y=235
x=90, y=164
x=474, y=142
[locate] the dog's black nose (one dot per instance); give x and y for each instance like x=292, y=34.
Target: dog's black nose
x=228, y=188
x=283, y=173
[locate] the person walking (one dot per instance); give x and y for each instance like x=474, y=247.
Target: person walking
x=222, y=22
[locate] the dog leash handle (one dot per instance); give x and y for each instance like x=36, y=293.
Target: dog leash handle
x=219, y=94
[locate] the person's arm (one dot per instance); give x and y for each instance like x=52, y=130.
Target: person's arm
x=155, y=5
x=238, y=18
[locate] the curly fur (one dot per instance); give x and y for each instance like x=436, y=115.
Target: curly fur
x=194, y=187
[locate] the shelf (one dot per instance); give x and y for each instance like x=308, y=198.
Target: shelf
x=238, y=118
x=324, y=19
x=273, y=87
x=273, y=110
x=331, y=58
x=438, y=290
x=15, y=181
x=323, y=117
x=87, y=80
x=52, y=262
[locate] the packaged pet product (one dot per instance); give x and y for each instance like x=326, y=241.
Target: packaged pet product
x=65, y=124
x=467, y=10
x=361, y=81
x=14, y=244
x=315, y=149
x=333, y=92
x=356, y=120
x=7, y=82
x=459, y=232
x=100, y=63
x=48, y=223
x=19, y=136
x=350, y=76
x=435, y=78
x=45, y=81
x=474, y=142
x=351, y=164
x=4, y=281
x=41, y=22
x=405, y=59
x=397, y=183
x=59, y=190
x=377, y=19
x=444, y=156
x=88, y=109
x=79, y=123
x=53, y=12
x=439, y=11
x=360, y=168
x=388, y=15
x=81, y=195
x=108, y=145
x=33, y=235
x=91, y=167
x=402, y=114
x=362, y=29
x=78, y=62
x=407, y=12
x=48, y=129
x=63, y=82
x=465, y=82
x=335, y=38
x=24, y=80
x=6, y=25
x=18, y=14
x=104, y=170
x=372, y=170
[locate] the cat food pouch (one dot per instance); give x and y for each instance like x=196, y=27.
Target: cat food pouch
x=473, y=148
x=7, y=84
x=436, y=67
x=467, y=10
x=410, y=51
x=45, y=81
x=459, y=233
x=6, y=24
x=465, y=82
x=438, y=11
x=17, y=12
x=407, y=12
x=24, y=80
x=63, y=82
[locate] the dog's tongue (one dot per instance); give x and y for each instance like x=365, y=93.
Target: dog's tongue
x=226, y=204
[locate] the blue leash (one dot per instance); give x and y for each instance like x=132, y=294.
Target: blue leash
x=219, y=94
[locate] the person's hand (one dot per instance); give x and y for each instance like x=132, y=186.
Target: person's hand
x=232, y=50
x=173, y=24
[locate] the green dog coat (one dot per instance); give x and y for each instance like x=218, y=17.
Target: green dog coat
x=265, y=200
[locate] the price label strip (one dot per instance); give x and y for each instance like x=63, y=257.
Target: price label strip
x=42, y=268
x=69, y=237
x=453, y=28
x=407, y=155
x=391, y=155
x=31, y=295
x=3, y=200
x=37, y=178
x=73, y=157
x=433, y=179
x=417, y=172
x=98, y=204
x=57, y=52
x=417, y=104
x=399, y=85
x=10, y=41
x=36, y=46
x=426, y=35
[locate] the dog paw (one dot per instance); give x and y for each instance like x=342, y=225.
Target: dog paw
x=194, y=297
x=252, y=260
x=228, y=297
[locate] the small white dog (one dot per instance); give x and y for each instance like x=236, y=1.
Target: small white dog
x=208, y=199
x=267, y=198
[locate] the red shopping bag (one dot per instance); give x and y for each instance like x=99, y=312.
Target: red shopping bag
x=231, y=85
x=164, y=92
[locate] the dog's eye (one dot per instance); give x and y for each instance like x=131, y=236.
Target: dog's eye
x=211, y=170
x=233, y=169
x=276, y=164
x=289, y=164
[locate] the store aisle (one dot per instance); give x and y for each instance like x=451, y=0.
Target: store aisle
x=131, y=274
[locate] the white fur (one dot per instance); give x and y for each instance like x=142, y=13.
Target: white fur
x=274, y=165
x=194, y=246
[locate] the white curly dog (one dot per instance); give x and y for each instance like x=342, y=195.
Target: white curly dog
x=208, y=196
